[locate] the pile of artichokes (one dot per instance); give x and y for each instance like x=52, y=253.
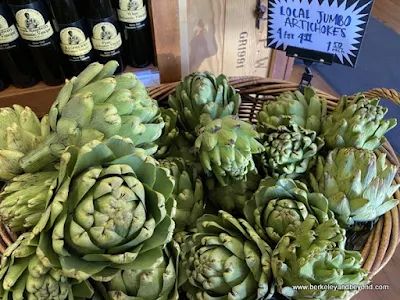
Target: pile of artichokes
x=116, y=196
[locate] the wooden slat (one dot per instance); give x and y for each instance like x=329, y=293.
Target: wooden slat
x=165, y=23
x=245, y=52
x=281, y=66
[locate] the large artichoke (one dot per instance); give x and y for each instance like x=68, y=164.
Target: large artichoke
x=232, y=198
x=226, y=147
x=158, y=283
x=188, y=192
x=202, y=93
x=25, y=198
x=20, y=132
x=281, y=206
x=290, y=151
x=306, y=110
x=357, y=123
x=112, y=209
x=170, y=132
x=101, y=109
x=23, y=275
x=357, y=184
x=315, y=255
x=225, y=259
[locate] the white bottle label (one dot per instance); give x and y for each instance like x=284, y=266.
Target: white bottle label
x=74, y=42
x=7, y=34
x=32, y=26
x=132, y=11
x=105, y=37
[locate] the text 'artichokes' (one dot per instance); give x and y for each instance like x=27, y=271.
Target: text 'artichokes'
x=315, y=255
x=112, y=208
x=357, y=184
x=357, y=123
x=226, y=146
x=290, y=151
x=225, y=259
x=20, y=132
x=281, y=206
x=24, y=276
x=306, y=110
x=188, y=192
x=201, y=93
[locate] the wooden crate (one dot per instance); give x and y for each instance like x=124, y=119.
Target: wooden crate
x=213, y=35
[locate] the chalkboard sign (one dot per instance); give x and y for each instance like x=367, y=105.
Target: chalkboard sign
x=330, y=26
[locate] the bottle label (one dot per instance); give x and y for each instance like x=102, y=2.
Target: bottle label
x=106, y=37
x=75, y=42
x=8, y=34
x=32, y=25
x=133, y=13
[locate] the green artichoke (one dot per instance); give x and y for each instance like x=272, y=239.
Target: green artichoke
x=290, y=151
x=25, y=198
x=315, y=255
x=357, y=184
x=170, y=132
x=182, y=148
x=202, y=93
x=112, y=209
x=20, y=132
x=281, y=206
x=188, y=192
x=306, y=110
x=226, y=147
x=225, y=259
x=23, y=275
x=232, y=198
x=99, y=110
x=357, y=123
x=158, y=283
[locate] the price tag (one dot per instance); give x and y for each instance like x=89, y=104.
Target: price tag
x=330, y=26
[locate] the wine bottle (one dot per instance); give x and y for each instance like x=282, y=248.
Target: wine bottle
x=34, y=26
x=15, y=57
x=3, y=82
x=74, y=36
x=136, y=31
x=106, y=37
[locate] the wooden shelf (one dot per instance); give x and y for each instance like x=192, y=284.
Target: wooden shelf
x=41, y=96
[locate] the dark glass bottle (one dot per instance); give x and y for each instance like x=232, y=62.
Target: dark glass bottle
x=106, y=37
x=34, y=26
x=136, y=31
x=3, y=81
x=74, y=36
x=15, y=57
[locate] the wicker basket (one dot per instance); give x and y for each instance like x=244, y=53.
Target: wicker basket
x=384, y=237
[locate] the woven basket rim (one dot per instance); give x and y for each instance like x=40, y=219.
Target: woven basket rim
x=384, y=237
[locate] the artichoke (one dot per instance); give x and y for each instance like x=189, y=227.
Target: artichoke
x=226, y=147
x=281, y=206
x=25, y=198
x=20, y=132
x=112, y=209
x=158, y=283
x=99, y=110
x=290, y=151
x=357, y=184
x=188, y=192
x=232, y=198
x=357, y=123
x=203, y=93
x=182, y=148
x=306, y=110
x=315, y=255
x=225, y=259
x=23, y=275
x=170, y=132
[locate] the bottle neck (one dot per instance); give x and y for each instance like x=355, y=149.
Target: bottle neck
x=99, y=9
x=65, y=11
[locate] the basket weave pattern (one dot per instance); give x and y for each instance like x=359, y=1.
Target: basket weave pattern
x=383, y=239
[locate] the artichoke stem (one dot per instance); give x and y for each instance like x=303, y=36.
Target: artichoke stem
x=40, y=157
